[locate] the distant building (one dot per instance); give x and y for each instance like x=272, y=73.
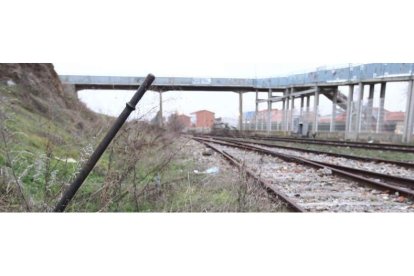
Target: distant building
x=204, y=119
x=184, y=120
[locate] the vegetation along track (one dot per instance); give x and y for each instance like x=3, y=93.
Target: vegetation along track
x=347, y=156
x=319, y=186
x=360, y=145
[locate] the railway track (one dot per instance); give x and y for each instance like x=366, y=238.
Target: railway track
x=346, y=189
x=273, y=191
x=361, y=145
x=347, y=156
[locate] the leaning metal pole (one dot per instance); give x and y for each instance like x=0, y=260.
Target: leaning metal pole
x=83, y=174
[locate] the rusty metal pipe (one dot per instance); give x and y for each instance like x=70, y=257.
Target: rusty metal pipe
x=90, y=164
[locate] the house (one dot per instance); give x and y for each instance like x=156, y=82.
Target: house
x=204, y=119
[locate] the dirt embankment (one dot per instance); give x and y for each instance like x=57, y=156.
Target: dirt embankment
x=39, y=76
x=39, y=90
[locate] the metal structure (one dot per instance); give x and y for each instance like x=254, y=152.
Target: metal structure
x=287, y=89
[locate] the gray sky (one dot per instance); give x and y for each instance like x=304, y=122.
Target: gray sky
x=211, y=38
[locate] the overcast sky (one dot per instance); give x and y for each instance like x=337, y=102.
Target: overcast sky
x=213, y=38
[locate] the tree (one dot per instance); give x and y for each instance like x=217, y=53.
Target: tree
x=174, y=123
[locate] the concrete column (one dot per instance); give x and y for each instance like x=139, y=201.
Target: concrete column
x=307, y=105
x=291, y=112
x=302, y=105
x=269, y=111
x=381, y=110
x=315, y=111
x=349, y=109
x=409, y=115
x=370, y=106
x=307, y=120
x=283, y=113
x=292, y=107
x=334, y=103
x=160, y=119
x=287, y=111
x=359, y=108
x=240, y=111
x=256, y=121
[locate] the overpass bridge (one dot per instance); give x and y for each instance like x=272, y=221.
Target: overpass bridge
x=287, y=89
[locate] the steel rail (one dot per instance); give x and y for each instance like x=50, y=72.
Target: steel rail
x=339, y=170
x=347, y=156
x=384, y=177
x=368, y=146
x=265, y=184
x=343, y=142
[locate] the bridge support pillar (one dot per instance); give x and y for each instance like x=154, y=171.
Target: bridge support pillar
x=370, y=108
x=359, y=108
x=269, y=112
x=315, y=111
x=307, y=120
x=286, y=118
x=240, y=111
x=302, y=105
x=381, y=110
x=283, y=114
x=409, y=115
x=292, y=110
x=160, y=118
x=349, y=111
x=256, y=119
x=334, y=103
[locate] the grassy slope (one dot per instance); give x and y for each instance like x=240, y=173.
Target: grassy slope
x=36, y=145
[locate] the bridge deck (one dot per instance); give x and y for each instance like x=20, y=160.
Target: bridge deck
x=366, y=73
